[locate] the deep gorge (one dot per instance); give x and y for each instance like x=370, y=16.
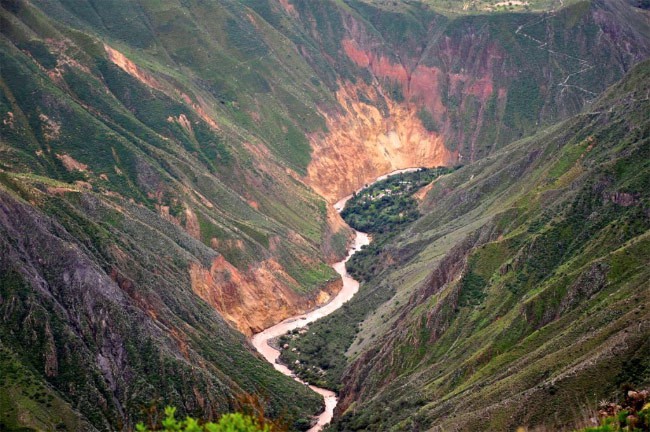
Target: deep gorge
x=167, y=175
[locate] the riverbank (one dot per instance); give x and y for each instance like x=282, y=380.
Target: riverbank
x=350, y=287
x=340, y=204
x=261, y=340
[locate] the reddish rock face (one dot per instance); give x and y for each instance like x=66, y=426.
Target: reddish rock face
x=622, y=198
x=243, y=297
x=420, y=84
x=424, y=89
x=364, y=143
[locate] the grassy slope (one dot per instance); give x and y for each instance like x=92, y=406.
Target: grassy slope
x=97, y=305
x=25, y=400
x=66, y=98
x=240, y=62
x=540, y=310
x=135, y=120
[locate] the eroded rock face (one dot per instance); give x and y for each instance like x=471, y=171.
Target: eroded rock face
x=121, y=61
x=453, y=91
x=255, y=299
x=364, y=143
x=378, y=132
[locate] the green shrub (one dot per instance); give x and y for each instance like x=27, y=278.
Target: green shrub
x=388, y=204
x=624, y=420
x=233, y=422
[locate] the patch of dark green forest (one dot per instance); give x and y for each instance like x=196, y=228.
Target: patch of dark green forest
x=384, y=209
x=389, y=203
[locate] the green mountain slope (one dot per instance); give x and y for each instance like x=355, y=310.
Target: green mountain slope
x=129, y=214
x=165, y=166
x=109, y=326
x=526, y=284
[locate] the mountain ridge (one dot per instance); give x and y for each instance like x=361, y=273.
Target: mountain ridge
x=182, y=155
x=517, y=353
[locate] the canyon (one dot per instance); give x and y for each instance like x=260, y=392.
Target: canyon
x=263, y=340
x=169, y=173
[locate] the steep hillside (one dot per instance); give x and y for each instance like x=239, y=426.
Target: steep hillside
x=525, y=284
x=165, y=169
x=100, y=322
x=78, y=110
x=442, y=90
x=142, y=225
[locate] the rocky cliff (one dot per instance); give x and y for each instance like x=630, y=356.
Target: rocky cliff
x=432, y=90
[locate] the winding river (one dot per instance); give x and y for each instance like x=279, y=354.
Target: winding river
x=350, y=287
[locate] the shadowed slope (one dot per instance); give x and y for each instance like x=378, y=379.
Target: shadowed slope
x=541, y=308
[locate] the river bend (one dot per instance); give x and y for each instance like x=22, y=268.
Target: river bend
x=350, y=287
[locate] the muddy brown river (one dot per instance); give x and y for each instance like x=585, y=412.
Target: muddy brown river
x=261, y=340
x=350, y=287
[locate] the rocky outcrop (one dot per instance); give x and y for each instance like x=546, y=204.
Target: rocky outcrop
x=624, y=199
x=364, y=143
x=258, y=298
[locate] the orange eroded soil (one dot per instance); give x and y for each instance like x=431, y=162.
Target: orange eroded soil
x=364, y=143
x=255, y=299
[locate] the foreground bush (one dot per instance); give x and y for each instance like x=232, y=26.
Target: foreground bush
x=632, y=416
x=234, y=422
